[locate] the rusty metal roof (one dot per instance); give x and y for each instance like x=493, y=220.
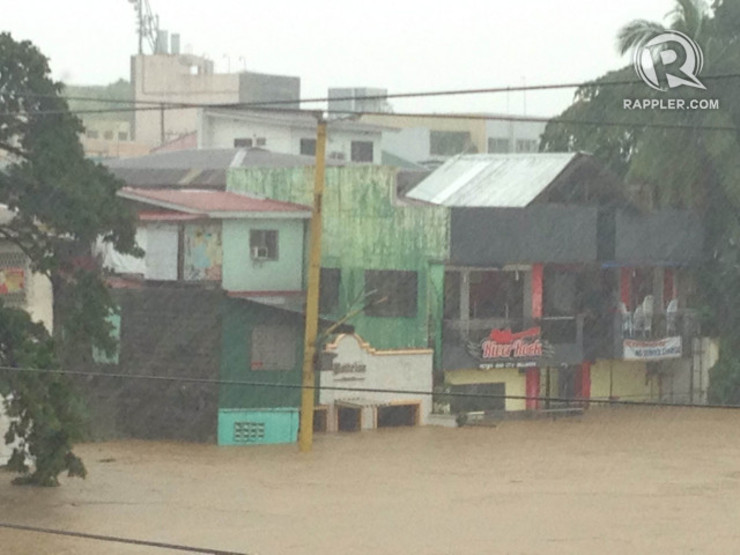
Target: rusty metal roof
x=493, y=180
x=219, y=204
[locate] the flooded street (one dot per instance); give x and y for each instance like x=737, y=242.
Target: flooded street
x=614, y=481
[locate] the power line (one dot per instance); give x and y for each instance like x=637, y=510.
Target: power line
x=242, y=383
x=418, y=94
x=452, y=116
x=155, y=105
x=105, y=538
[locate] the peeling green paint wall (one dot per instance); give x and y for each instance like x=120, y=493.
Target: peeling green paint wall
x=366, y=229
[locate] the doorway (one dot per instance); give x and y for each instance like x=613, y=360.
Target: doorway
x=393, y=416
x=349, y=419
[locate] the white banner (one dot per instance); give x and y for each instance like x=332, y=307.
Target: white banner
x=660, y=349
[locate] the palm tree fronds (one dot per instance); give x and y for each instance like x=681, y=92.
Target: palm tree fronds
x=635, y=33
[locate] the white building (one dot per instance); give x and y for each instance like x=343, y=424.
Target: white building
x=288, y=132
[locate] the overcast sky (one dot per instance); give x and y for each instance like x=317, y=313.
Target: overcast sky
x=396, y=44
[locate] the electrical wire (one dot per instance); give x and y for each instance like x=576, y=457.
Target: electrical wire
x=160, y=106
x=418, y=94
x=114, y=539
x=244, y=383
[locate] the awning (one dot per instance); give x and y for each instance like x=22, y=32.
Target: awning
x=359, y=403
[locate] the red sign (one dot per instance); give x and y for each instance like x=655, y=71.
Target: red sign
x=507, y=348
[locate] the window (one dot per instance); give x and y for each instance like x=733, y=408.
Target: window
x=108, y=135
x=450, y=143
x=329, y=291
x=92, y=134
x=498, y=145
x=242, y=143
x=100, y=356
x=263, y=244
x=527, y=145
x=308, y=147
x=122, y=136
x=273, y=347
x=559, y=293
x=496, y=294
x=261, y=141
x=362, y=151
x=393, y=293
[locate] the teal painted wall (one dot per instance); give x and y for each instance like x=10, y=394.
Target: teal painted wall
x=365, y=229
x=239, y=319
x=278, y=425
x=241, y=273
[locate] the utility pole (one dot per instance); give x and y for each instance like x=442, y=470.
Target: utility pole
x=305, y=433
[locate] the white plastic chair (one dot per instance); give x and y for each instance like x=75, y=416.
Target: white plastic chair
x=638, y=321
x=626, y=320
x=647, y=310
x=671, y=317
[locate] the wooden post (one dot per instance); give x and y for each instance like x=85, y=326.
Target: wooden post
x=305, y=433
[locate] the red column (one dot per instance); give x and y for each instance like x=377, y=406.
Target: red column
x=668, y=286
x=584, y=382
x=625, y=287
x=533, y=388
x=533, y=374
x=537, y=273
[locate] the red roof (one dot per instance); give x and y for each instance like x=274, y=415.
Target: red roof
x=209, y=202
x=168, y=216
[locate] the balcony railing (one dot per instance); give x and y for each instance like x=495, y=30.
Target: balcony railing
x=660, y=326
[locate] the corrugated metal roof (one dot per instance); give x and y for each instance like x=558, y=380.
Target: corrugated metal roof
x=212, y=203
x=202, y=168
x=492, y=180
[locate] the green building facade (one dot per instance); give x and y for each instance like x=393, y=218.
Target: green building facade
x=371, y=240
x=260, y=345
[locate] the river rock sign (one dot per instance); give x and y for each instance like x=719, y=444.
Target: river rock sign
x=504, y=348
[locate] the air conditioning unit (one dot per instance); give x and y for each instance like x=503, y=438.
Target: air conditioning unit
x=259, y=253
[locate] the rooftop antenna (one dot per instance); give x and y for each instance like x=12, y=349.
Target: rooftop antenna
x=147, y=24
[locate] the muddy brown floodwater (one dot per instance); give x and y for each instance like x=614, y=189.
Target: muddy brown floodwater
x=613, y=481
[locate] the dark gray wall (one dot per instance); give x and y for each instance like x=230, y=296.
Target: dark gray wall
x=262, y=87
x=542, y=233
x=166, y=331
x=667, y=236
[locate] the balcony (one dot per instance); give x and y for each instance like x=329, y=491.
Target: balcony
x=660, y=337
x=469, y=343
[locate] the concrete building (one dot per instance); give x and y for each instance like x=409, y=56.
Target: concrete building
x=289, y=133
x=357, y=99
x=185, y=78
x=110, y=139
x=556, y=287
x=430, y=141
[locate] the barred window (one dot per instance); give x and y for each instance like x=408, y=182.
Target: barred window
x=394, y=293
x=273, y=347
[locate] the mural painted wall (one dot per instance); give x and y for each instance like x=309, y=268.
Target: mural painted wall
x=365, y=228
x=202, y=259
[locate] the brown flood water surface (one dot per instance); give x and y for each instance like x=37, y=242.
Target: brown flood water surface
x=613, y=481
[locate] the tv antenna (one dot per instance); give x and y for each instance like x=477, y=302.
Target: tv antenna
x=147, y=24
